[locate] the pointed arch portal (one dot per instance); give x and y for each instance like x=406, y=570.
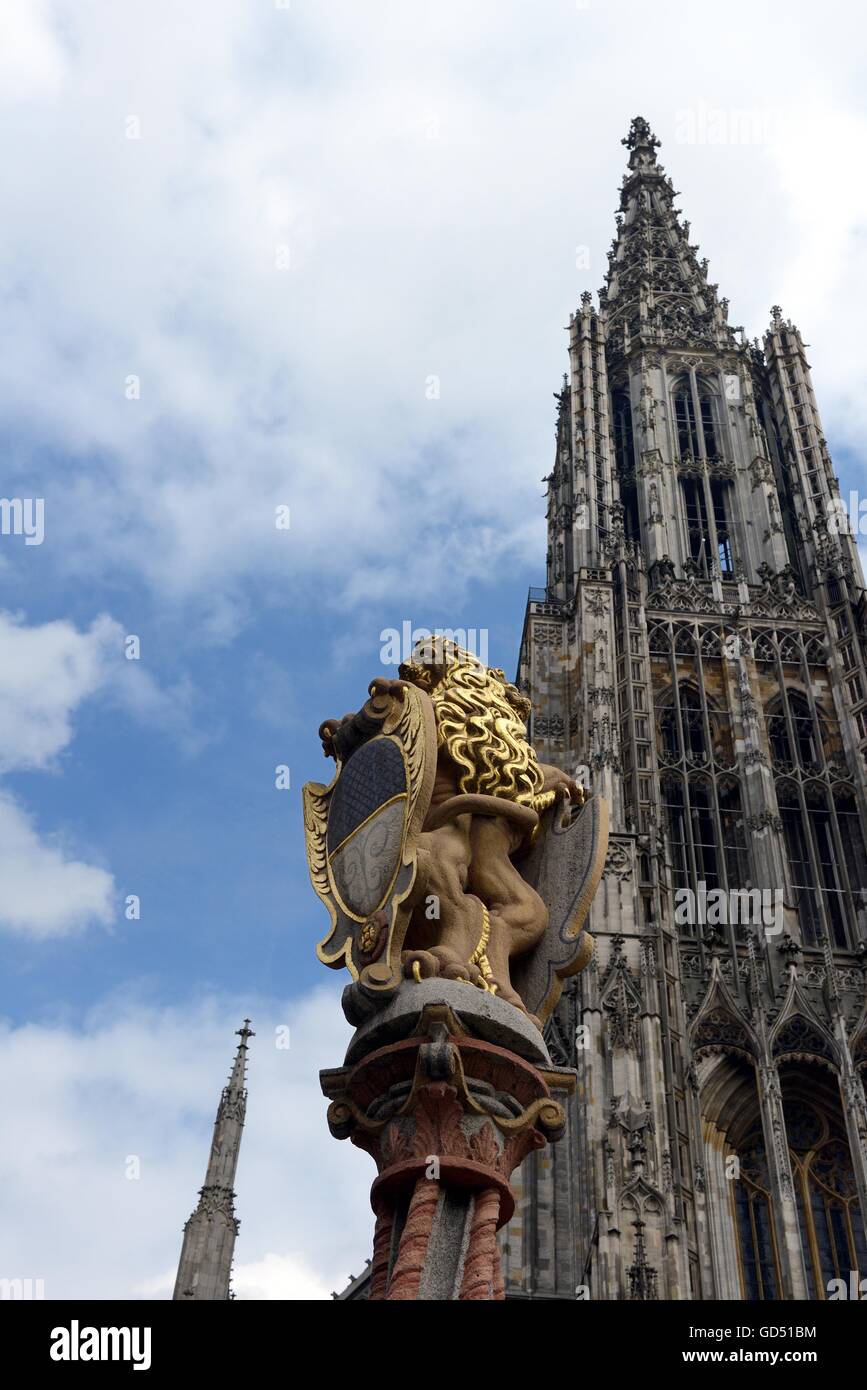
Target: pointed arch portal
x=744, y=1201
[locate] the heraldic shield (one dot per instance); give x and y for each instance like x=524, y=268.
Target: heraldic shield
x=362, y=830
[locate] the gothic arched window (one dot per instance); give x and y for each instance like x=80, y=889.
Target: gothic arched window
x=674, y=814
x=703, y=840
x=709, y=421
x=823, y=886
x=685, y=421
x=734, y=839
x=693, y=725
x=695, y=516
x=623, y=442
x=624, y=458
x=659, y=642
x=796, y=736
x=704, y=836
x=691, y=428
x=833, y=1215
x=778, y=737
x=829, y=1214
x=854, y=852
x=808, y=740
x=820, y=818
x=702, y=809
x=724, y=551
x=736, y=1118
x=801, y=874
x=755, y=1223
x=681, y=726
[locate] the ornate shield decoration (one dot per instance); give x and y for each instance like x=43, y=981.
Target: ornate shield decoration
x=363, y=829
x=564, y=867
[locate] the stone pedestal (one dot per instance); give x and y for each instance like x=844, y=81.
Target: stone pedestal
x=448, y=1088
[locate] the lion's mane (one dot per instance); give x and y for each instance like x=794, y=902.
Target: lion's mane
x=480, y=725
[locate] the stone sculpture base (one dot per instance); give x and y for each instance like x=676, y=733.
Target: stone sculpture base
x=448, y=1088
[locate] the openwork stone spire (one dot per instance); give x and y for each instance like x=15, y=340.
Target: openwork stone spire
x=657, y=292
x=205, y=1267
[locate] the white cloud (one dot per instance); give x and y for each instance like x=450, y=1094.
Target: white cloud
x=280, y=1276
x=431, y=189
x=45, y=892
x=143, y=1081
x=31, y=60
x=48, y=670
x=274, y=1277
x=45, y=673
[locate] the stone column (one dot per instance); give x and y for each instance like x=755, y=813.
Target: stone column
x=448, y=1088
x=794, y=1275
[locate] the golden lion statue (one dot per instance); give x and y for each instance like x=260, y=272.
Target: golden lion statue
x=472, y=912
x=415, y=845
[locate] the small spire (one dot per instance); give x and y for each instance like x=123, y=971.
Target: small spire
x=205, y=1267
x=642, y=1276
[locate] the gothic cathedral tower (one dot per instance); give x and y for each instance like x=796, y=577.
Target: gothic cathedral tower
x=700, y=650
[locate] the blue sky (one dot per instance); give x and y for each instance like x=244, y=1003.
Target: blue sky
x=192, y=822
x=285, y=224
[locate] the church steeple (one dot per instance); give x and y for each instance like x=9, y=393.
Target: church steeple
x=699, y=657
x=205, y=1267
x=657, y=288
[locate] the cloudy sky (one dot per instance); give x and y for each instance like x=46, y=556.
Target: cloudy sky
x=314, y=255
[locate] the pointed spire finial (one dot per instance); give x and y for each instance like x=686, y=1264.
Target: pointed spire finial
x=238, y=1075
x=642, y=1276
x=641, y=137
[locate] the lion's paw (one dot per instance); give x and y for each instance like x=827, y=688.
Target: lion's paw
x=419, y=965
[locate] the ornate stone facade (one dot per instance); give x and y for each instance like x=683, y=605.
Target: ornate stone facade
x=697, y=656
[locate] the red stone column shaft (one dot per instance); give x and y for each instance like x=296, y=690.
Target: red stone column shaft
x=381, y=1254
x=483, y=1253
x=408, y=1267
x=499, y=1284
